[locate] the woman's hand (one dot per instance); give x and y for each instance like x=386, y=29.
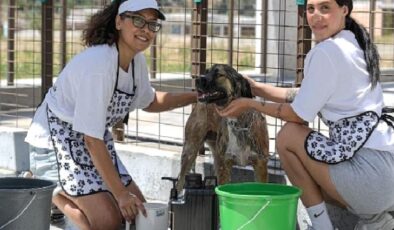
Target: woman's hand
x=236, y=107
x=252, y=83
x=130, y=205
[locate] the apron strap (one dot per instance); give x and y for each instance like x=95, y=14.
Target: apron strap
x=389, y=119
x=117, y=72
x=388, y=109
x=126, y=118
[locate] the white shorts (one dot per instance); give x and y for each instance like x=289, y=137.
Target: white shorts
x=43, y=165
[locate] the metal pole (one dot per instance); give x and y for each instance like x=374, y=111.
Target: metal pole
x=304, y=43
x=63, y=34
x=199, y=38
x=1, y=17
x=1, y=36
x=372, y=9
x=264, y=36
x=46, y=47
x=11, y=43
x=153, y=59
x=231, y=33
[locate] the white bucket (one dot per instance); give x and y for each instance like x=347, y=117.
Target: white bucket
x=157, y=217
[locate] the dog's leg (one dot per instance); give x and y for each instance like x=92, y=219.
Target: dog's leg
x=222, y=165
x=260, y=169
x=259, y=134
x=222, y=168
x=189, y=154
x=195, y=132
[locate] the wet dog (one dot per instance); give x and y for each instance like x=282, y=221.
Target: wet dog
x=242, y=141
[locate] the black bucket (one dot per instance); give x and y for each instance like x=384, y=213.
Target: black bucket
x=25, y=203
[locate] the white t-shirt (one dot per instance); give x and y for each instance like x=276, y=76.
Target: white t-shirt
x=84, y=88
x=336, y=84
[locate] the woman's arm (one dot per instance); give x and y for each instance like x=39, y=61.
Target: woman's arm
x=166, y=101
x=103, y=162
x=128, y=204
x=270, y=92
x=279, y=110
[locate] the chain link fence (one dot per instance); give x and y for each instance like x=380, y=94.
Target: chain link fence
x=265, y=39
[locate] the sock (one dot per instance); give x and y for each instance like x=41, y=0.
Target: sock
x=319, y=217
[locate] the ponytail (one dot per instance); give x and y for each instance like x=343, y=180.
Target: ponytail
x=101, y=27
x=371, y=54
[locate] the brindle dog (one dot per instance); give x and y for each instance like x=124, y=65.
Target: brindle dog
x=242, y=141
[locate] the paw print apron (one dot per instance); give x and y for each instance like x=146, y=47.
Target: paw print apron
x=77, y=174
x=346, y=137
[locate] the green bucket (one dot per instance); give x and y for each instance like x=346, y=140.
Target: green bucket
x=258, y=206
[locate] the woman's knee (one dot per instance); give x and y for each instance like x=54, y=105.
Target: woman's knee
x=292, y=137
x=284, y=135
x=108, y=221
x=101, y=211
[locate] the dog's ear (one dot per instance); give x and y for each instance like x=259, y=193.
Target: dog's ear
x=246, y=91
x=239, y=82
x=210, y=69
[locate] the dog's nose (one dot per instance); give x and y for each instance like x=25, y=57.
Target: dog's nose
x=201, y=81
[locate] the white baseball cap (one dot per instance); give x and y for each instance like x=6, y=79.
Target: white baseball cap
x=137, y=5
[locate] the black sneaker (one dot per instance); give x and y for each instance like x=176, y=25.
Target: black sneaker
x=56, y=215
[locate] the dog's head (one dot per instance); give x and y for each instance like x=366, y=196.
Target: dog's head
x=221, y=84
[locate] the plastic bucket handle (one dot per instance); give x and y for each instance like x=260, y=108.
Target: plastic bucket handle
x=255, y=215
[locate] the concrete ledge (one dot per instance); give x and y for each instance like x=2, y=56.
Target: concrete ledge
x=148, y=165
x=387, y=75
x=14, y=151
x=7, y=173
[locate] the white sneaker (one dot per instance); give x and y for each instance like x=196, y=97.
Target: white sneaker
x=56, y=215
x=382, y=221
x=26, y=174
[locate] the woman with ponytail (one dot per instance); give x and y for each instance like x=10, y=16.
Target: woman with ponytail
x=97, y=89
x=353, y=166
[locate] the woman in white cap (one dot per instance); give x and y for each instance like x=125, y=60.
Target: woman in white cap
x=97, y=89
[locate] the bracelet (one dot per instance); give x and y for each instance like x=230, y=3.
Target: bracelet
x=279, y=109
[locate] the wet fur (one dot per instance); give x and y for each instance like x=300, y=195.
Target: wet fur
x=204, y=125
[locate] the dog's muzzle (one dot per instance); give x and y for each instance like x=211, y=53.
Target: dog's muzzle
x=208, y=95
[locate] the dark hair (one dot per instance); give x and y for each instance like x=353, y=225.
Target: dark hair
x=371, y=54
x=101, y=27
